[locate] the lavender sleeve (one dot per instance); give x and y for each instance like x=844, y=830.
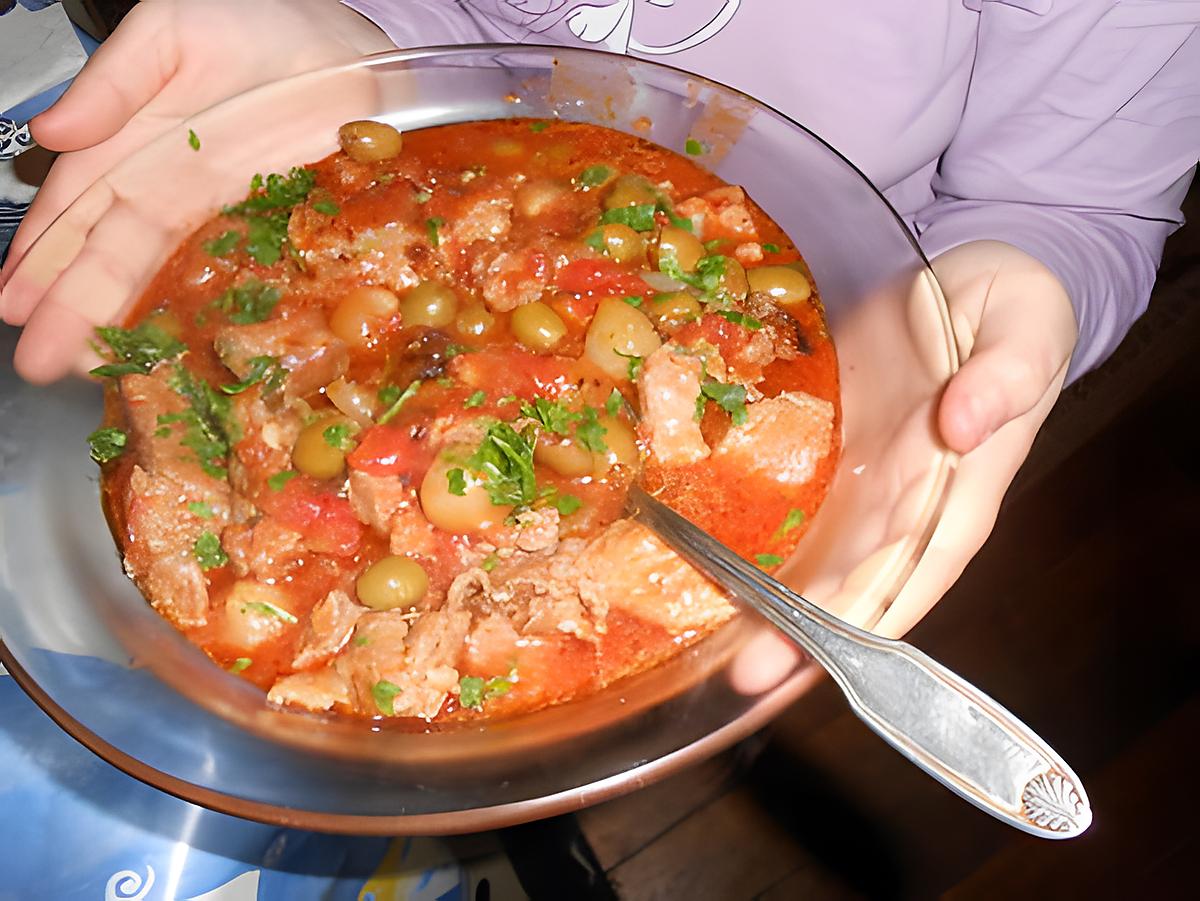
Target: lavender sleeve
x=1078, y=142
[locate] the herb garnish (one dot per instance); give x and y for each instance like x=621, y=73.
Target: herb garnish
x=536, y=127
x=595, y=240
x=263, y=369
x=268, y=609
x=209, y=553
x=193, y=140
x=201, y=509
x=247, y=303
x=107, y=444
x=594, y=176
x=327, y=207
x=431, y=226
x=401, y=399
x=707, y=277
x=384, y=693
x=590, y=433
x=552, y=414
x=474, y=690
x=240, y=664
x=279, y=479
x=267, y=209
x=338, y=437
x=504, y=461
x=634, y=368
x=207, y=425
x=740, y=319
x=730, y=398
x=770, y=248
x=768, y=559
x=136, y=350
x=633, y=300
x=224, y=244
x=456, y=481
x=639, y=217
x=476, y=399
x=566, y=504
x=693, y=147
x=793, y=520
x=613, y=404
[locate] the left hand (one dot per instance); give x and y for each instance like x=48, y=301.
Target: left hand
x=1016, y=330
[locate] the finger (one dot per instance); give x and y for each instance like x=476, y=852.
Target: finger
x=55, y=337
x=28, y=276
x=765, y=661
x=122, y=76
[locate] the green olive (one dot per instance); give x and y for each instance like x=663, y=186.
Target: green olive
x=782, y=284
x=734, y=281
x=313, y=455
x=357, y=319
x=670, y=311
x=630, y=190
x=623, y=244
x=617, y=333
x=392, y=582
x=474, y=320
x=564, y=456
x=429, y=303
x=676, y=242
x=533, y=198
x=367, y=141
x=471, y=511
x=537, y=326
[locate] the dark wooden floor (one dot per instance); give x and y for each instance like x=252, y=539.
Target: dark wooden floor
x=1081, y=614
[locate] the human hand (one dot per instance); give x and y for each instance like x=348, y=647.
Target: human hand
x=1015, y=329
x=168, y=60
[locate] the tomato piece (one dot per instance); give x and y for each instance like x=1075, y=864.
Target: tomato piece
x=386, y=450
x=603, y=278
x=325, y=519
x=576, y=312
x=511, y=370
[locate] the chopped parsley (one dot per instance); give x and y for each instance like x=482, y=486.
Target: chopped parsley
x=536, y=127
x=361, y=641
x=207, y=421
x=138, y=349
x=712, y=245
x=201, y=509
x=590, y=433
x=476, y=399
x=454, y=350
x=456, y=482
x=613, y=404
x=633, y=300
x=693, y=147
x=423, y=196
x=266, y=608
x=595, y=240
x=552, y=414
x=594, y=176
x=224, y=244
x=209, y=553
x=768, y=559
x=634, y=368
x=277, y=481
x=338, y=437
x=266, y=210
x=327, y=207
x=566, y=504
x=770, y=248
x=710, y=270
x=730, y=398
x=793, y=520
x=193, y=140
x=473, y=691
x=240, y=664
x=431, y=227
x=489, y=563
x=505, y=462
x=247, y=303
x=507, y=399
x=639, y=217
x=384, y=693
x=401, y=399
x=107, y=444
x=740, y=319
x=262, y=369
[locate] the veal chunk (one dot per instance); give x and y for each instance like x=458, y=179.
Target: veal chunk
x=328, y=630
x=668, y=389
x=783, y=440
x=161, y=534
x=157, y=449
x=629, y=569
x=302, y=343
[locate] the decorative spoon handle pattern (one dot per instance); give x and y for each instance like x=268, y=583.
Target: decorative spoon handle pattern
x=936, y=719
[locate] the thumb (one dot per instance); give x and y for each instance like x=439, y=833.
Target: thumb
x=110, y=90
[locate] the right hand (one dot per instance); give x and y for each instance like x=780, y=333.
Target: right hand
x=167, y=60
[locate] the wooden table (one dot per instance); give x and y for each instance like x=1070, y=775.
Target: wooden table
x=1080, y=614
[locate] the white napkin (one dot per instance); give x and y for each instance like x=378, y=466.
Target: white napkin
x=38, y=50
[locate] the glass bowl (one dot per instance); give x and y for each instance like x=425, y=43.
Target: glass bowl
x=83, y=642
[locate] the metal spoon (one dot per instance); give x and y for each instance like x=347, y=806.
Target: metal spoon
x=937, y=720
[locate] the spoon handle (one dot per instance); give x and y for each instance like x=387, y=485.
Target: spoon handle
x=936, y=719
